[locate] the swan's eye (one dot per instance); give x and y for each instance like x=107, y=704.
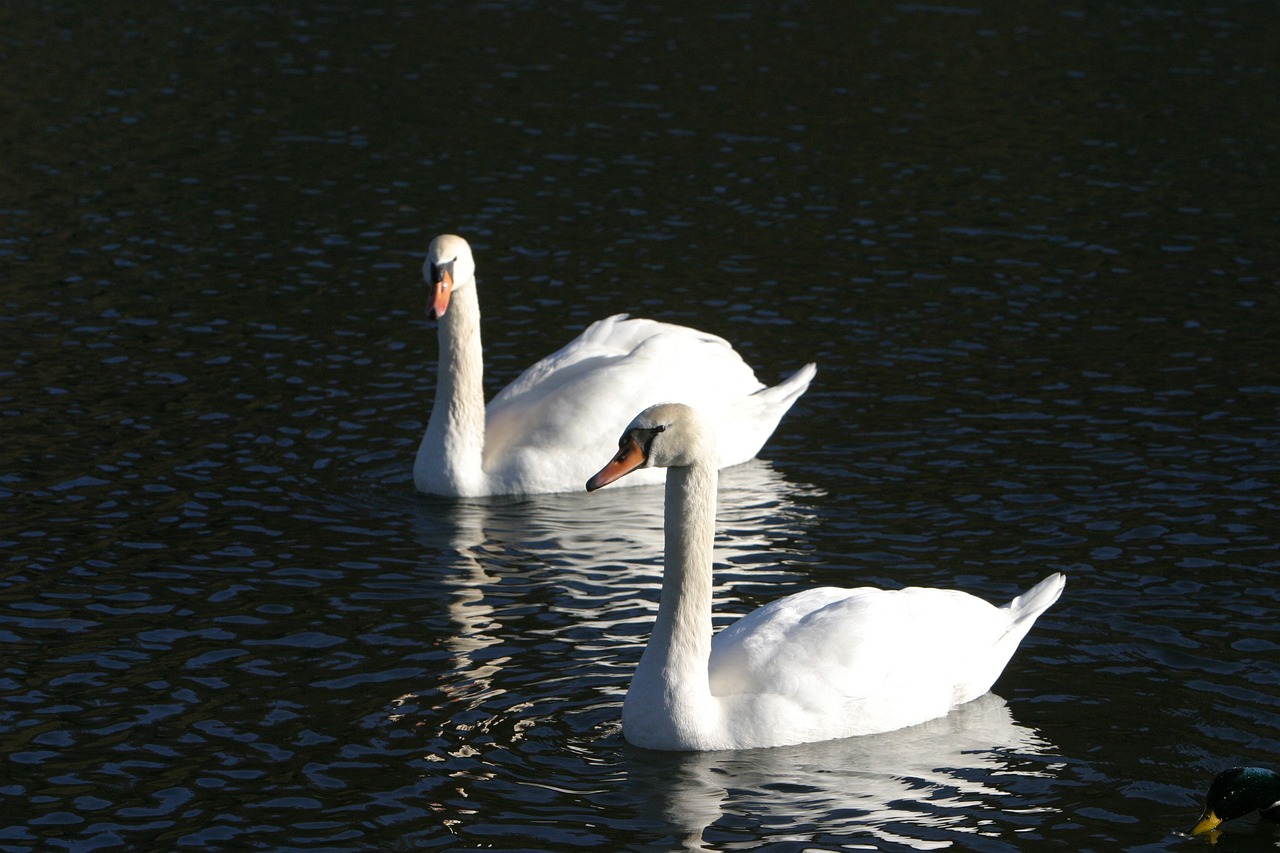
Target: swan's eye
x=653, y=432
x=439, y=271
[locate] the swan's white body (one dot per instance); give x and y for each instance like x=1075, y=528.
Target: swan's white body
x=820, y=664
x=544, y=431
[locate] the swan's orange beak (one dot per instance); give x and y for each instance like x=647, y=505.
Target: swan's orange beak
x=440, y=290
x=630, y=457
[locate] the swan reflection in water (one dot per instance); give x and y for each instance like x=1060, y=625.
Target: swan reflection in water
x=756, y=505
x=491, y=557
x=924, y=787
x=492, y=561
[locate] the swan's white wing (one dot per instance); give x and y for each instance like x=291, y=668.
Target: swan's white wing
x=564, y=414
x=618, y=337
x=924, y=648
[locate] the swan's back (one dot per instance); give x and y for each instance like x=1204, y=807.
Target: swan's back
x=839, y=662
x=556, y=418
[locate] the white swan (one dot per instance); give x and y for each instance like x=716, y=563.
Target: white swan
x=542, y=432
x=820, y=664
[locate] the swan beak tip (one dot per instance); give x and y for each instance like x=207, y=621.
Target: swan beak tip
x=630, y=457
x=440, y=291
x=606, y=475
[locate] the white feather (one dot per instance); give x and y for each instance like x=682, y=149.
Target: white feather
x=820, y=664
x=543, y=432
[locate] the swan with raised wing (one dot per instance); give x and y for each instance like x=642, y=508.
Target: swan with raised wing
x=541, y=432
x=821, y=664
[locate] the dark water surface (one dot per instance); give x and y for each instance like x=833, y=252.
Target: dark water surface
x=1032, y=248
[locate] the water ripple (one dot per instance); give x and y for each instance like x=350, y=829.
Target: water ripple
x=1043, y=317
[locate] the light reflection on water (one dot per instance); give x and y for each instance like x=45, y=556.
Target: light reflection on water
x=916, y=788
x=591, y=592
x=593, y=562
x=1042, y=309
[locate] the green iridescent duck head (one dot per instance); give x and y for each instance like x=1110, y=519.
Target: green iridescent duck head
x=1238, y=791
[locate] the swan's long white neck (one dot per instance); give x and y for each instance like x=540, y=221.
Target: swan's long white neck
x=675, y=662
x=451, y=457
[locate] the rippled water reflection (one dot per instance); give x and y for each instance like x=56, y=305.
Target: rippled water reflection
x=938, y=778
x=1031, y=249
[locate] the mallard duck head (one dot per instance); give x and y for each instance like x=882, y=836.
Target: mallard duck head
x=1238, y=791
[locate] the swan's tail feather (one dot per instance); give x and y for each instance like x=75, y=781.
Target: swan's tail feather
x=1023, y=612
x=762, y=410
x=788, y=390
x=1027, y=607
